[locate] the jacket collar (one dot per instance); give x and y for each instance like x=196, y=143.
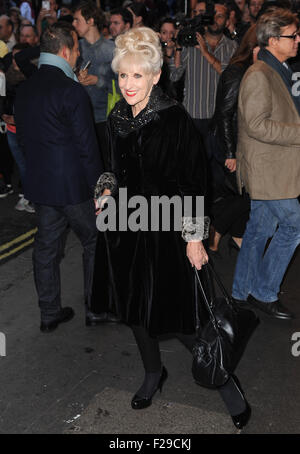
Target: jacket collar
x=123, y=121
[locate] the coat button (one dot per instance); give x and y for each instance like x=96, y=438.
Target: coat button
x=122, y=155
x=124, y=171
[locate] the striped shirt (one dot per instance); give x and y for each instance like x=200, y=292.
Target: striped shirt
x=201, y=79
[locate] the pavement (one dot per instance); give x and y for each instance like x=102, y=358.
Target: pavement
x=80, y=380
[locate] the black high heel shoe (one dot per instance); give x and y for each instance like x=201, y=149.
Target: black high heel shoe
x=139, y=403
x=242, y=419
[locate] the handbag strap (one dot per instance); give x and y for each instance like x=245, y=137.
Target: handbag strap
x=210, y=268
x=209, y=308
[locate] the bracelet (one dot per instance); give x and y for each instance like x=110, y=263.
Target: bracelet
x=179, y=49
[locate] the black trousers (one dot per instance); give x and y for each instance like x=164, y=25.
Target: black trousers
x=52, y=223
x=150, y=354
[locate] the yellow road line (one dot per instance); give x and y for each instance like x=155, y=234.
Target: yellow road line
x=12, y=251
x=18, y=239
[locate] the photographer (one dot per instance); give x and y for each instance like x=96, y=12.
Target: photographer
x=47, y=15
x=203, y=63
x=167, y=32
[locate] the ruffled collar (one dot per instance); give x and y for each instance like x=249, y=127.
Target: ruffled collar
x=123, y=121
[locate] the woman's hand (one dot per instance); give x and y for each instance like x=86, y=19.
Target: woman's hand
x=196, y=254
x=231, y=164
x=43, y=13
x=102, y=201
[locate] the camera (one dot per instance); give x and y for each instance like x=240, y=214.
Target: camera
x=187, y=35
x=164, y=44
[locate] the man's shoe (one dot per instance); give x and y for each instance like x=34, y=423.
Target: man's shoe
x=65, y=315
x=92, y=319
x=5, y=190
x=275, y=309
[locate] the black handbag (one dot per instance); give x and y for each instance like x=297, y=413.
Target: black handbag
x=222, y=339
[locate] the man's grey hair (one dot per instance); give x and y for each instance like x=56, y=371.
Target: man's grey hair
x=270, y=24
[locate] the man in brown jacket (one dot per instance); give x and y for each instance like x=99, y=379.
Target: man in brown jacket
x=268, y=164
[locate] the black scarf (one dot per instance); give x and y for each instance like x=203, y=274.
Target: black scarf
x=284, y=72
x=124, y=123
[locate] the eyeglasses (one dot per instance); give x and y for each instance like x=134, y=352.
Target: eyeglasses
x=294, y=36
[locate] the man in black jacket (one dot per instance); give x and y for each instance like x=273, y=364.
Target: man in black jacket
x=62, y=166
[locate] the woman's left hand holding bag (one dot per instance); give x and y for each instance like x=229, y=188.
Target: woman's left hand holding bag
x=196, y=254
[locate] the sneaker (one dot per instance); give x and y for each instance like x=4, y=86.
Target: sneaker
x=5, y=190
x=21, y=204
x=25, y=205
x=29, y=207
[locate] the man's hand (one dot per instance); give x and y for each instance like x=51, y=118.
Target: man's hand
x=196, y=254
x=9, y=119
x=87, y=79
x=231, y=164
x=201, y=44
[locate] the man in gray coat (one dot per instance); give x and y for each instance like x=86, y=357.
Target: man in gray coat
x=268, y=165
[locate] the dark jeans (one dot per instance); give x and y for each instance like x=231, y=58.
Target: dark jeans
x=6, y=159
x=52, y=223
x=258, y=272
x=17, y=154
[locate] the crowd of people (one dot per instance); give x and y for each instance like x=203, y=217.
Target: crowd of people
x=161, y=101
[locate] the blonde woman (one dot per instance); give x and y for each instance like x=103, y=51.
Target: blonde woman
x=145, y=276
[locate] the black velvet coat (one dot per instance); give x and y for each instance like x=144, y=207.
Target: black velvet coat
x=146, y=277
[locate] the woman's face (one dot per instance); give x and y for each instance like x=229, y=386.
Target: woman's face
x=136, y=84
x=167, y=32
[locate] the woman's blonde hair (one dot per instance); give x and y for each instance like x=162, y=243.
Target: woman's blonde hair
x=143, y=45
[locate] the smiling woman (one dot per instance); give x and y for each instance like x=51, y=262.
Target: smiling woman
x=138, y=60
x=146, y=277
